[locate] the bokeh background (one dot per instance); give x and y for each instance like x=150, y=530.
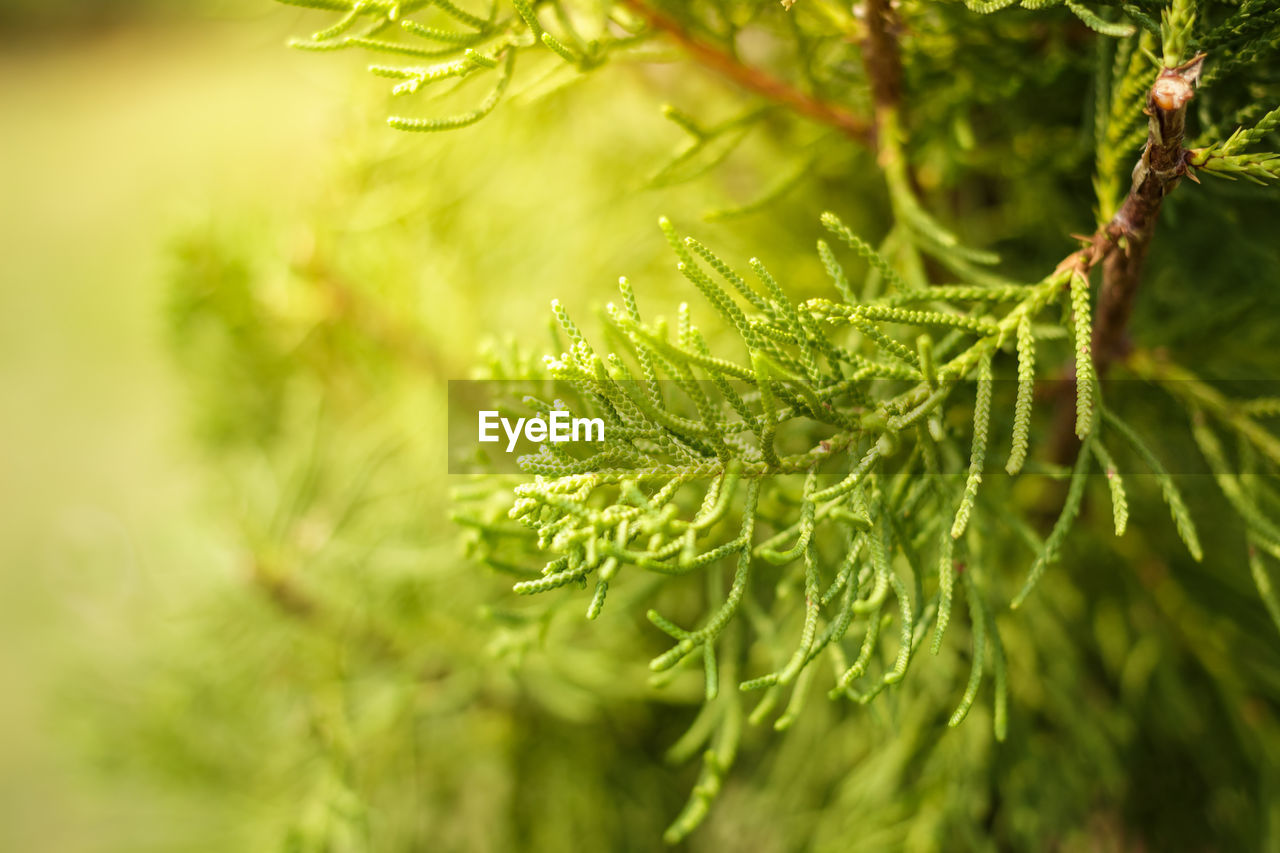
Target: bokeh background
x=122, y=122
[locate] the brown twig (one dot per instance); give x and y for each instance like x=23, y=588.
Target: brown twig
x=1121, y=245
x=1163, y=163
x=881, y=57
x=754, y=79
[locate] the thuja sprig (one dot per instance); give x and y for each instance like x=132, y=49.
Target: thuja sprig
x=1228, y=159
x=1258, y=168
x=693, y=455
x=1242, y=38
x=845, y=508
x=463, y=43
x=695, y=478
x=1082, y=339
x=1087, y=16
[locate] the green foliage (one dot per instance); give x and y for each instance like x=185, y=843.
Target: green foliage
x=1176, y=23
x=1228, y=159
x=488, y=43
x=670, y=476
x=798, y=483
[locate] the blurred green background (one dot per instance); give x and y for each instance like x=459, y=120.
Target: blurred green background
x=122, y=122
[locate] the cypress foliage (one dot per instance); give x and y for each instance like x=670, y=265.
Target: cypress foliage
x=800, y=482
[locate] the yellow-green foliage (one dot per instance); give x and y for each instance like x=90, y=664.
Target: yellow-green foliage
x=797, y=481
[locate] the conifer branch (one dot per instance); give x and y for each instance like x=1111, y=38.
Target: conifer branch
x=1120, y=246
x=633, y=505
x=1163, y=163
